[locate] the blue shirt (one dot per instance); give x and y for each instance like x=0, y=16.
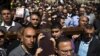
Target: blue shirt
x=75, y=20
x=72, y=21
x=67, y=21
x=83, y=48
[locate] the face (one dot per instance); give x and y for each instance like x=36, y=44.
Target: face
x=65, y=49
x=6, y=15
x=83, y=21
x=34, y=20
x=82, y=11
x=60, y=8
x=89, y=33
x=62, y=21
x=40, y=11
x=77, y=12
x=70, y=9
x=1, y=38
x=44, y=13
x=65, y=12
x=88, y=9
x=56, y=32
x=29, y=37
x=49, y=13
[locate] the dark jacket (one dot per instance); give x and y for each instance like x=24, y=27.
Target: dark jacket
x=94, y=46
x=14, y=28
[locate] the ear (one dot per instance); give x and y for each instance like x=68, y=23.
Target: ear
x=21, y=39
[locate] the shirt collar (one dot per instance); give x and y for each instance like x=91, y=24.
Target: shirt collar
x=13, y=23
x=3, y=24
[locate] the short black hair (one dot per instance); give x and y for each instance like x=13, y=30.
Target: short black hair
x=4, y=9
x=62, y=39
x=35, y=13
x=56, y=25
x=89, y=26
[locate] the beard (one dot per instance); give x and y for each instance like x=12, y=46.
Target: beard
x=86, y=38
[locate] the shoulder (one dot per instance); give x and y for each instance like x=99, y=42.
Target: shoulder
x=96, y=41
x=17, y=24
x=3, y=51
x=16, y=52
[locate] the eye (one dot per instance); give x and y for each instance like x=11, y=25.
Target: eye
x=35, y=19
x=28, y=36
x=34, y=36
x=5, y=13
x=55, y=31
x=67, y=50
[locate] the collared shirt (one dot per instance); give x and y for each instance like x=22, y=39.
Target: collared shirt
x=75, y=20
x=19, y=51
x=83, y=48
x=7, y=27
x=67, y=21
x=72, y=21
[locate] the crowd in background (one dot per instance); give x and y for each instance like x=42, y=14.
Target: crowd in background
x=49, y=28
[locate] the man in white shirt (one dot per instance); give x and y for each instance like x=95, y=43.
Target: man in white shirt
x=8, y=24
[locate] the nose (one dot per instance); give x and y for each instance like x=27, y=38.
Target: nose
x=69, y=53
x=6, y=15
x=35, y=20
x=54, y=33
x=32, y=39
x=89, y=35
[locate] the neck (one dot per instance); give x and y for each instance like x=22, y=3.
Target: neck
x=8, y=23
x=27, y=50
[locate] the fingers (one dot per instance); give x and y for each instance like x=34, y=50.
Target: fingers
x=53, y=40
x=75, y=36
x=40, y=36
x=38, y=51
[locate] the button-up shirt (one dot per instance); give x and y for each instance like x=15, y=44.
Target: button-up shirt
x=8, y=27
x=83, y=48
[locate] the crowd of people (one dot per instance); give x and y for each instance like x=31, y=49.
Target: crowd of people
x=56, y=28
